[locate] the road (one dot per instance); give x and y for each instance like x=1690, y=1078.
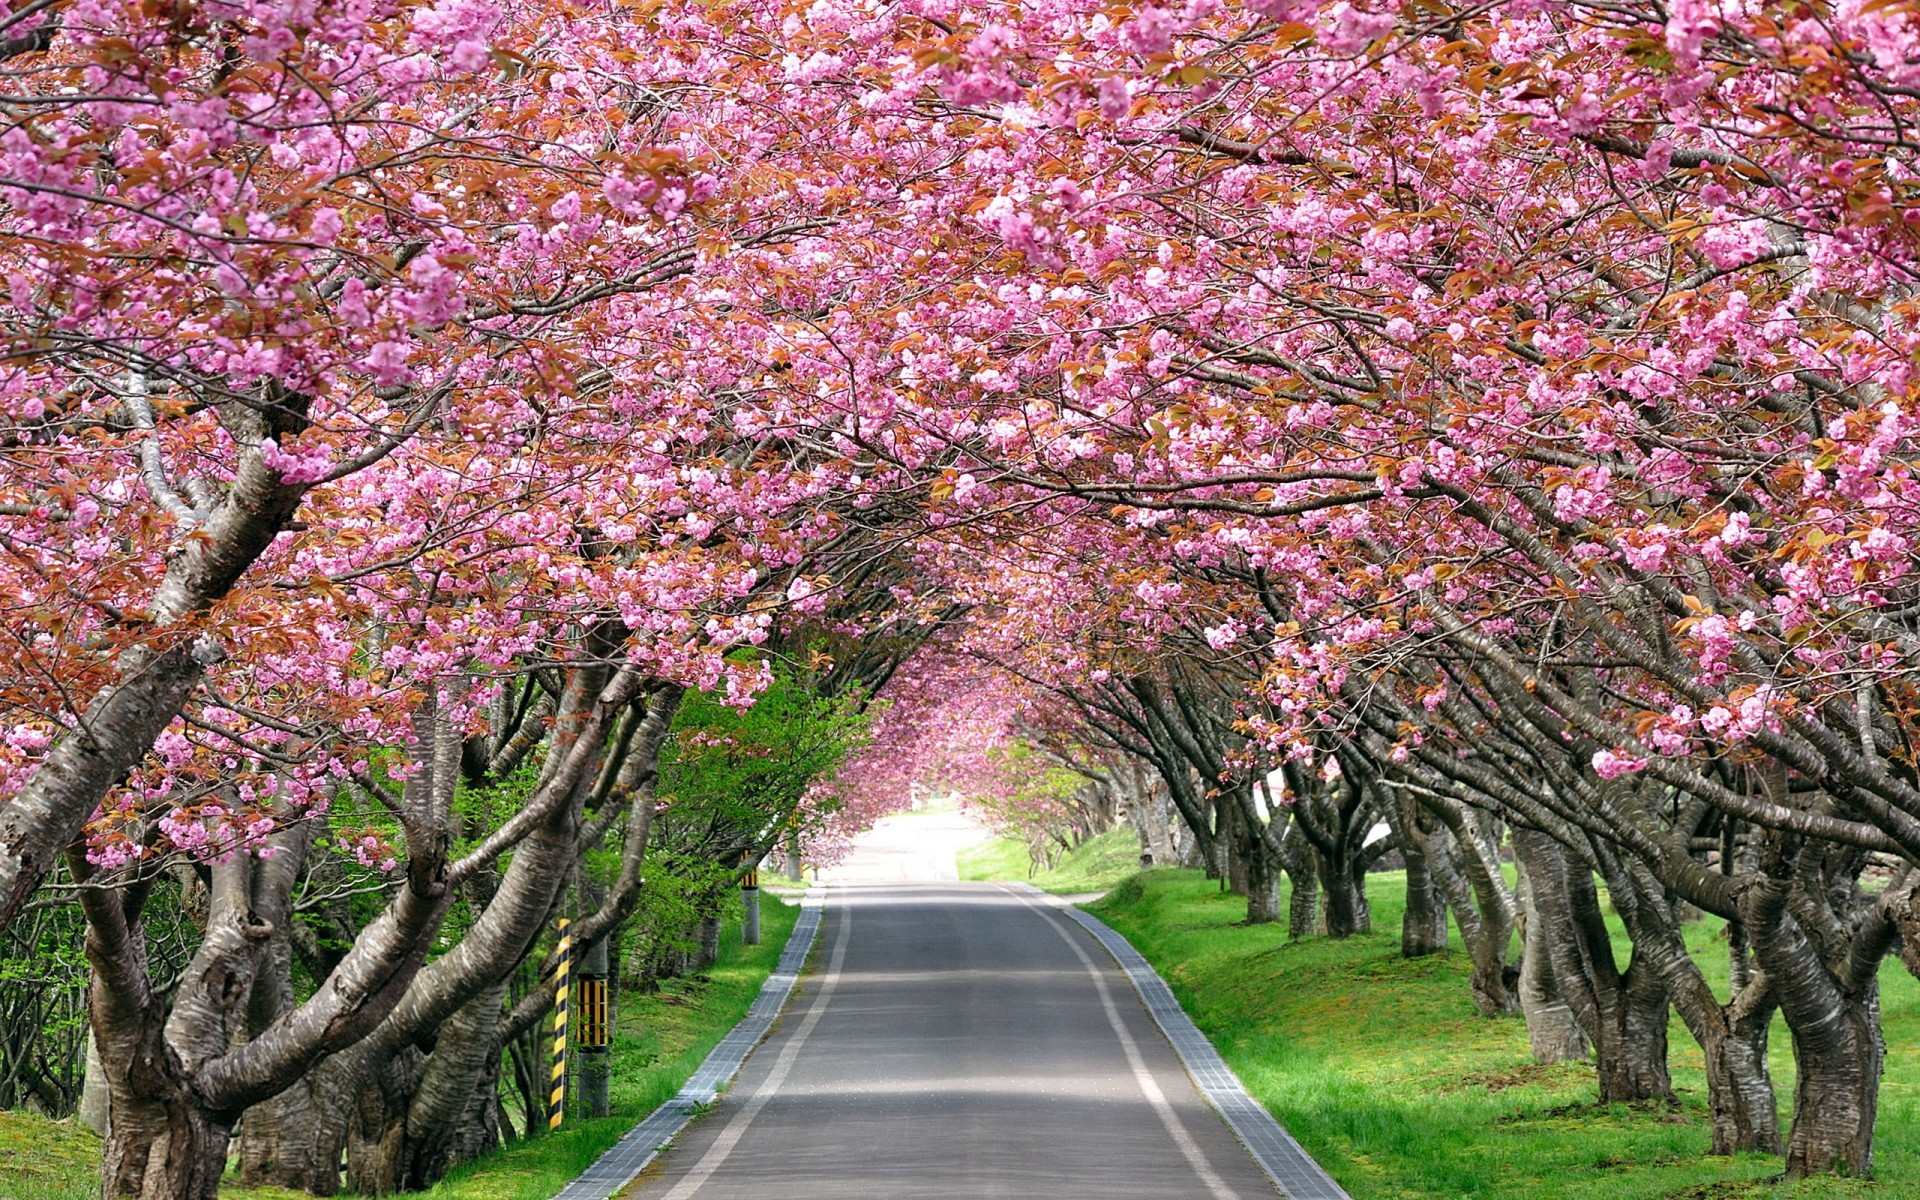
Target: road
x=958, y=1040
x=909, y=847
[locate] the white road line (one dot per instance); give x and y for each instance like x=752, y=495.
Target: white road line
x=1149, y=1086
x=736, y=1129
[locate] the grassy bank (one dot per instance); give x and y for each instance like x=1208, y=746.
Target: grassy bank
x=1381, y=1069
x=659, y=1041
x=1093, y=866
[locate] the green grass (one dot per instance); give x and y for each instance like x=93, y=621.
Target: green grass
x=1382, y=1070
x=1093, y=866
x=47, y=1160
x=995, y=858
x=659, y=1040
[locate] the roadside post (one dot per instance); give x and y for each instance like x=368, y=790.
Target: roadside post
x=557, y=1098
x=595, y=1036
x=750, y=897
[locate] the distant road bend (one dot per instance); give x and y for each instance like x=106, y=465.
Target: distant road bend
x=959, y=1040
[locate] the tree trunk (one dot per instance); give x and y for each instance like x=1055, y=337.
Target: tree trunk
x=1837, y=1048
x=1553, y=1034
x=1423, y=929
x=1631, y=1042
x=1234, y=839
x=1460, y=868
x=1732, y=1037
x=480, y=1130
x=1624, y=1013
x=1303, y=909
x=1837, y=1090
x=296, y=1139
x=1740, y=1098
x=93, y=1090
x=161, y=1143
x=164, y=1147
x=1347, y=912
x=1216, y=843
x=1263, y=886
x=428, y=1123
x=708, y=952
x=1146, y=808
x=377, y=1134
x=163, y=1139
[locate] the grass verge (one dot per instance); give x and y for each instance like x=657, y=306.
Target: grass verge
x=1382, y=1070
x=1093, y=866
x=659, y=1041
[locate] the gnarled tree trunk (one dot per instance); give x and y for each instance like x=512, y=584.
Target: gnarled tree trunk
x=1303, y=906
x=1464, y=866
x=1423, y=926
x=1624, y=1013
x=1553, y=1033
x=1833, y=1015
x=1732, y=1037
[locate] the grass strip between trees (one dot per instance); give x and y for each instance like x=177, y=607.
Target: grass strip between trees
x=659, y=1041
x=1093, y=866
x=1382, y=1070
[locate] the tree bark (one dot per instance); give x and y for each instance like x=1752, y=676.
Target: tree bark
x=1553, y=1033
x=1837, y=1092
x=1234, y=836
x=294, y=1140
x=707, y=951
x=1146, y=810
x=1303, y=908
x=1624, y=1013
x=1482, y=907
x=1732, y=1037
x=1740, y=1095
x=1346, y=907
x=93, y=1094
x=1423, y=926
x=164, y=1139
x=418, y=1129
x=1835, y=1023
x=426, y=1113
x=1263, y=886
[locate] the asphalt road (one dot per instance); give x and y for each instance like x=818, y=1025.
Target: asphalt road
x=958, y=1040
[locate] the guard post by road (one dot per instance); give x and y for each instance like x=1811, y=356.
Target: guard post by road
x=750, y=897
x=562, y=967
x=594, y=1026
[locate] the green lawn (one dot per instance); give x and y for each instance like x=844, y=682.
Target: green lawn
x=1381, y=1069
x=1093, y=866
x=659, y=1040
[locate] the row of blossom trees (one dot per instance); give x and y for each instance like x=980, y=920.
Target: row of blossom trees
x=374, y=488
x=1494, y=422
x=1499, y=422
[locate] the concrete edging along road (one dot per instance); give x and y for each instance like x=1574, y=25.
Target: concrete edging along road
x=1292, y=1169
x=614, y=1170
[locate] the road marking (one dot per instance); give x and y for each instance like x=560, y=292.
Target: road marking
x=1149, y=1086
x=736, y=1129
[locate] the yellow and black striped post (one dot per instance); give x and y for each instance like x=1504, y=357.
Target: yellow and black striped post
x=557, y=1103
